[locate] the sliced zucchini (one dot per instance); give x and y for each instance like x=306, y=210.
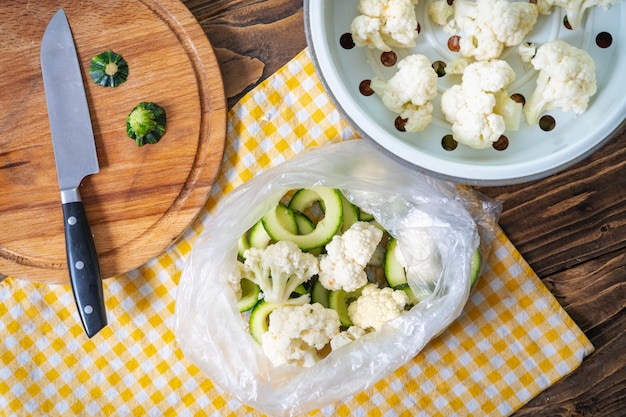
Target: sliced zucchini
x=304, y=200
x=475, y=265
x=324, y=230
x=409, y=292
x=260, y=318
x=298, y=291
x=377, y=225
x=287, y=218
x=319, y=294
x=394, y=271
x=305, y=225
x=242, y=245
x=339, y=301
x=350, y=214
x=258, y=237
x=365, y=217
x=396, y=274
x=249, y=295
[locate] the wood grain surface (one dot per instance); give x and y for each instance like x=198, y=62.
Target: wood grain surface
x=570, y=227
x=143, y=197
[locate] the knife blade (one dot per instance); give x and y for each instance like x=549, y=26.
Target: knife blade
x=75, y=157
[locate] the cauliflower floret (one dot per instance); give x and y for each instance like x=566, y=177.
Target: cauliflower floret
x=441, y=13
x=366, y=32
x=574, y=9
x=567, y=80
x=279, y=269
x=343, y=265
x=343, y=338
x=410, y=91
x=376, y=306
x=234, y=279
x=296, y=333
x=527, y=51
x=485, y=26
x=480, y=108
x=384, y=24
x=457, y=66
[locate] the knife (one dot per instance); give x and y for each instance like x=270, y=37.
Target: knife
x=75, y=157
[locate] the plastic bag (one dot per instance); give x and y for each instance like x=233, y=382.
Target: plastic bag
x=213, y=335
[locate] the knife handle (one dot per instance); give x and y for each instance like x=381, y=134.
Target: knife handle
x=82, y=261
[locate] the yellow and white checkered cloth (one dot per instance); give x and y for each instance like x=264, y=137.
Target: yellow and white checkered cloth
x=512, y=341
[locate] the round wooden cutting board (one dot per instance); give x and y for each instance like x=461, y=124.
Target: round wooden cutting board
x=143, y=197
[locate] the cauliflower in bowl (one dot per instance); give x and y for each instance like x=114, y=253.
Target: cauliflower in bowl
x=566, y=80
x=410, y=91
x=480, y=108
x=485, y=26
x=384, y=24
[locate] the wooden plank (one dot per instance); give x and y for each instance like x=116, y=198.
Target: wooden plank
x=594, y=295
x=571, y=217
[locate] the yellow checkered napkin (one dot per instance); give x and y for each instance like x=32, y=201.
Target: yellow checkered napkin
x=512, y=341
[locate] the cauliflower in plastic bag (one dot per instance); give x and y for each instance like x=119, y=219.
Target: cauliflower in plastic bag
x=208, y=322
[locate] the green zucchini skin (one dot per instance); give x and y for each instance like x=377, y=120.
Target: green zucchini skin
x=319, y=294
x=475, y=267
x=339, y=301
x=108, y=69
x=394, y=271
x=324, y=230
x=350, y=214
x=250, y=295
x=146, y=123
x=259, y=318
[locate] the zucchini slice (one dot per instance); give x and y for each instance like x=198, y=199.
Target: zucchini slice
x=304, y=201
x=305, y=225
x=319, y=294
x=394, y=271
x=324, y=230
x=287, y=218
x=339, y=301
x=298, y=291
x=258, y=237
x=365, y=217
x=249, y=295
x=242, y=244
x=350, y=214
x=475, y=266
x=108, y=69
x=409, y=292
x=260, y=318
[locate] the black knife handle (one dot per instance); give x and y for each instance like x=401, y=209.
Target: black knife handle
x=84, y=268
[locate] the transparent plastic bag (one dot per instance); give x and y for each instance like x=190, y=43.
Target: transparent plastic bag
x=213, y=335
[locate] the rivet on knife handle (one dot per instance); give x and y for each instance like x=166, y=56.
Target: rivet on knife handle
x=82, y=261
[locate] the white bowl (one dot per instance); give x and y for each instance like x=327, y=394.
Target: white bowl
x=531, y=154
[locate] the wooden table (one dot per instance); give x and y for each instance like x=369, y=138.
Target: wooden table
x=570, y=227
